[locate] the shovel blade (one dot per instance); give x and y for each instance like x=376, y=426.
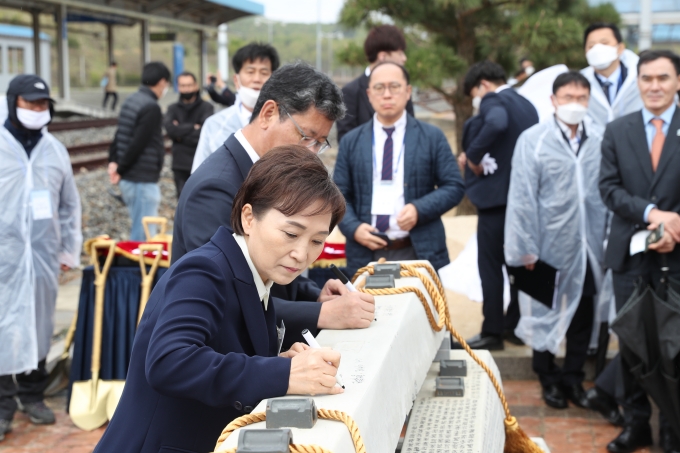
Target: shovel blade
x=59, y=377
x=88, y=404
x=115, y=393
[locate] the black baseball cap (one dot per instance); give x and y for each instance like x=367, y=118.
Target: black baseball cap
x=30, y=87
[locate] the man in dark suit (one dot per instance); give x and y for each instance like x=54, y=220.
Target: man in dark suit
x=489, y=142
x=383, y=43
x=398, y=176
x=639, y=183
x=297, y=105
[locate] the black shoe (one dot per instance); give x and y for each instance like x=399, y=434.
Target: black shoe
x=554, y=396
x=482, y=341
x=509, y=335
x=669, y=441
x=5, y=427
x=38, y=413
x=601, y=402
x=576, y=395
x=631, y=438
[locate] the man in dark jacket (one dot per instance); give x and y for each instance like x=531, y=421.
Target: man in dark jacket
x=183, y=122
x=383, y=43
x=398, y=176
x=137, y=151
x=489, y=142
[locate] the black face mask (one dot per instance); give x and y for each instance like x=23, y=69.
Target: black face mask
x=188, y=96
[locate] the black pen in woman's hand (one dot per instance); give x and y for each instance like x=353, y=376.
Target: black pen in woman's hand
x=343, y=278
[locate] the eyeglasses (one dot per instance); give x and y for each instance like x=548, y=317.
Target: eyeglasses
x=309, y=142
x=395, y=88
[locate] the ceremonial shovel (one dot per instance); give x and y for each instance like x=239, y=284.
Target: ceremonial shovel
x=88, y=398
x=116, y=390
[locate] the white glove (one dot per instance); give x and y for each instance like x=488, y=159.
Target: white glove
x=489, y=165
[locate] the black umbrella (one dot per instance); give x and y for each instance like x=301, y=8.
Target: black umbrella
x=648, y=326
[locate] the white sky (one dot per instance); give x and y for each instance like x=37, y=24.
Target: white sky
x=304, y=11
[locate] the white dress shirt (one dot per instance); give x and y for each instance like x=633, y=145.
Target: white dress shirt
x=613, y=79
x=243, y=113
x=247, y=146
x=502, y=88
x=379, y=137
x=574, y=142
x=263, y=288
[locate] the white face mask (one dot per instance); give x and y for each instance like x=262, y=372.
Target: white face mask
x=601, y=56
x=476, y=102
x=165, y=91
x=571, y=113
x=529, y=70
x=33, y=120
x=248, y=96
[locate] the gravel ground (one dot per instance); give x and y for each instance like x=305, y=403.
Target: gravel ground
x=103, y=214
x=85, y=136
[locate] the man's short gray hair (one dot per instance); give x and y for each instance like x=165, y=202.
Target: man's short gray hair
x=297, y=87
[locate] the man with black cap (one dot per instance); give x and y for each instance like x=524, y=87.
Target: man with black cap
x=39, y=236
x=137, y=153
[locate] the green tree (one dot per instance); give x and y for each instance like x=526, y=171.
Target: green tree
x=445, y=37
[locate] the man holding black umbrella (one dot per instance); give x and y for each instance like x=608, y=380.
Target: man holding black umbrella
x=639, y=183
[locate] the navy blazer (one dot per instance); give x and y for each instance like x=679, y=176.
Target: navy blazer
x=502, y=119
x=432, y=182
x=205, y=205
x=204, y=354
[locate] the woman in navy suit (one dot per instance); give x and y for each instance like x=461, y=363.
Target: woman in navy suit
x=207, y=349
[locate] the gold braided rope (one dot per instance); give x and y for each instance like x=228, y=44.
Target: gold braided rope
x=326, y=414
x=440, y=305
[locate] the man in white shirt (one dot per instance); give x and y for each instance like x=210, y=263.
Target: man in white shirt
x=398, y=176
x=253, y=65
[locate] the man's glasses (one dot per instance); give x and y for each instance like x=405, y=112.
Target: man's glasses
x=309, y=142
x=395, y=88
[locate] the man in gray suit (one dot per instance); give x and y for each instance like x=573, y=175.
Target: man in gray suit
x=639, y=183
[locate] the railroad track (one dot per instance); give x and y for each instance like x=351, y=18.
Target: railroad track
x=92, y=155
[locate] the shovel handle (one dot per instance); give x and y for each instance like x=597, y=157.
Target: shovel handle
x=147, y=277
x=100, y=286
x=162, y=222
x=70, y=333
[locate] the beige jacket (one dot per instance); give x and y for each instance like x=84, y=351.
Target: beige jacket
x=111, y=86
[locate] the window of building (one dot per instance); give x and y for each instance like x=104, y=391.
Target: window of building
x=15, y=60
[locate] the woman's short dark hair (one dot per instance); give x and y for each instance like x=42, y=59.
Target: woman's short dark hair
x=647, y=56
x=383, y=38
x=253, y=52
x=289, y=179
x=484, y=70
x=570, y=78
x=298, y=87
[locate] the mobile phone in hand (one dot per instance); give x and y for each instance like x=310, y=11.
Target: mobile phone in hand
x=382, y=236
x=654, y=236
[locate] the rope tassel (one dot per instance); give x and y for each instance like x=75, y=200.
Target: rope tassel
x=516, y=440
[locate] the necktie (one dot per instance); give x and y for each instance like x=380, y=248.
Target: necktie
x=605, y=87
x=382, y=222
x=657, y=142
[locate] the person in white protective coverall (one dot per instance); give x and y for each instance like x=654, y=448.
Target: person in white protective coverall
x=555, y=214
x=253, y=65
x=40, y=235
x=612, y=73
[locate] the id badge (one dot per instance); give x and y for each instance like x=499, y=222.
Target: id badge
x=41, y=204
x=281, y=333
x=384, y=197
